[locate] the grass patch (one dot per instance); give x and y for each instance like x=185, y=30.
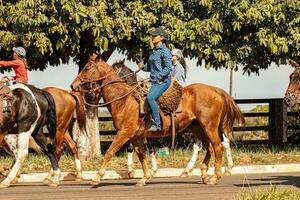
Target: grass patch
x=242, y=155
x=272, y=193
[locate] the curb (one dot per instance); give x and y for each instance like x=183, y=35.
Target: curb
x=166, y=172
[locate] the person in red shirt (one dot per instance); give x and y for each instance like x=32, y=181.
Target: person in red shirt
x=19, y=64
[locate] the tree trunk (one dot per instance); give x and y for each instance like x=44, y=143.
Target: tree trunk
x=88, y=144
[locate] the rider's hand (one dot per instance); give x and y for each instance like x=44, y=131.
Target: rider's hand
x=7, y=78
x=140, y=65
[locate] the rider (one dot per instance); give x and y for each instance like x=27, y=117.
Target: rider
x=160, y=65
x=19, y=65
x=180, y=68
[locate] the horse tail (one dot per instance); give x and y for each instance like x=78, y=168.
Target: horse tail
x=80, y=110
x=231, y=114
x=50, y=114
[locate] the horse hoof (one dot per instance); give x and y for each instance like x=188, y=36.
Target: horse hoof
x=184, y=174
x=205, y=179
x=53, y=184
x=153, y=172
x=15, y=180
x=227, y=173
x=95, y=183
x=131, y=174
x=140, y=183
x=78, y=179
x=46, y=181
x=4, y=185
x=212, y=181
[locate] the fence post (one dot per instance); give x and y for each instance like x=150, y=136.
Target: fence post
x=277, y=121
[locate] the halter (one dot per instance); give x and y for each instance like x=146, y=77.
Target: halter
x=98, y=88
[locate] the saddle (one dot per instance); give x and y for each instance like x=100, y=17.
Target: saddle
x=5, y=99
x=168, y=103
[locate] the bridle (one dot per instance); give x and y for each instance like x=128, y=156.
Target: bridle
x=98, y=87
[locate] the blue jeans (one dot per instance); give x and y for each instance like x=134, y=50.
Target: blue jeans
x=154, y=93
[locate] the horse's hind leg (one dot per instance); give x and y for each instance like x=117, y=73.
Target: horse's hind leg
x=196, y=148
x=48, y=149
x=120, y=139
x=72, y=145
x=130, y=169
x=226, y=145
x=23, y=140
x=139, y=148
x=215, y=141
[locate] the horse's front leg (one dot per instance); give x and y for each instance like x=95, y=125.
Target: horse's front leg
x=139, y=148
x=121, y=138
x=23, y=140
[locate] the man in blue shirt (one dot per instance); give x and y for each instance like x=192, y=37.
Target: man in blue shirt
x=160, y=66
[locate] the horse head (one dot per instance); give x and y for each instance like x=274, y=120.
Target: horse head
x=292, y=94
x=128, y=75
x=91, y=79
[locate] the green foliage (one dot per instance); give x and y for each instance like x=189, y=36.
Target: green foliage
x=225, y=33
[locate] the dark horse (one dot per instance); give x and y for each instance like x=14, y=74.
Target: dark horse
x=65, y=103
x=30, y=109
x=207, y=111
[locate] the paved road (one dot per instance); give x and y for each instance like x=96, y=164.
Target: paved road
x=158, y=188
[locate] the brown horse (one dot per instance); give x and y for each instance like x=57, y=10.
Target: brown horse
x=130, y=78
x=207, y=111
x=292, y=94
x=65, y=104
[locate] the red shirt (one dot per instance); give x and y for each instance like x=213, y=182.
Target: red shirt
x=19, y=68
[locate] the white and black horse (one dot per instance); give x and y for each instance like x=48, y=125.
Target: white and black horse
x=29, y=110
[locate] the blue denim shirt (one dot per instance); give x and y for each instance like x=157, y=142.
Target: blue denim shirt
x=159, y=64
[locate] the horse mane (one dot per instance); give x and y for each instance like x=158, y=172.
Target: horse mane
x=128, y=74
x=295, y=76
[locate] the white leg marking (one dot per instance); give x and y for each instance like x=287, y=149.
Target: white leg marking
x=153, y=162
x=11, y=141
x=196, y=148
x=226, y=145
x=23, y=140
x=130, y=161
x=78, y=165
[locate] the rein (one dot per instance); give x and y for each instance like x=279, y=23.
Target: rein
x=84, y=81
x=107, y=103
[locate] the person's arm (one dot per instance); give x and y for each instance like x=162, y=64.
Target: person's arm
x=146, y=67
x=13, y=63
x=167, y=63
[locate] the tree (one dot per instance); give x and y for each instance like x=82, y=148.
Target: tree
x=224, y=33
x=250, y=34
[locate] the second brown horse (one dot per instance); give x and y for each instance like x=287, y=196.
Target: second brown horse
x=207, y=111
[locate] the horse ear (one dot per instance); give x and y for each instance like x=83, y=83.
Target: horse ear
x=294, y=64
x=123, y=61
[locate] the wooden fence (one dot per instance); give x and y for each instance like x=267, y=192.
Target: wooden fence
x=276, y=128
